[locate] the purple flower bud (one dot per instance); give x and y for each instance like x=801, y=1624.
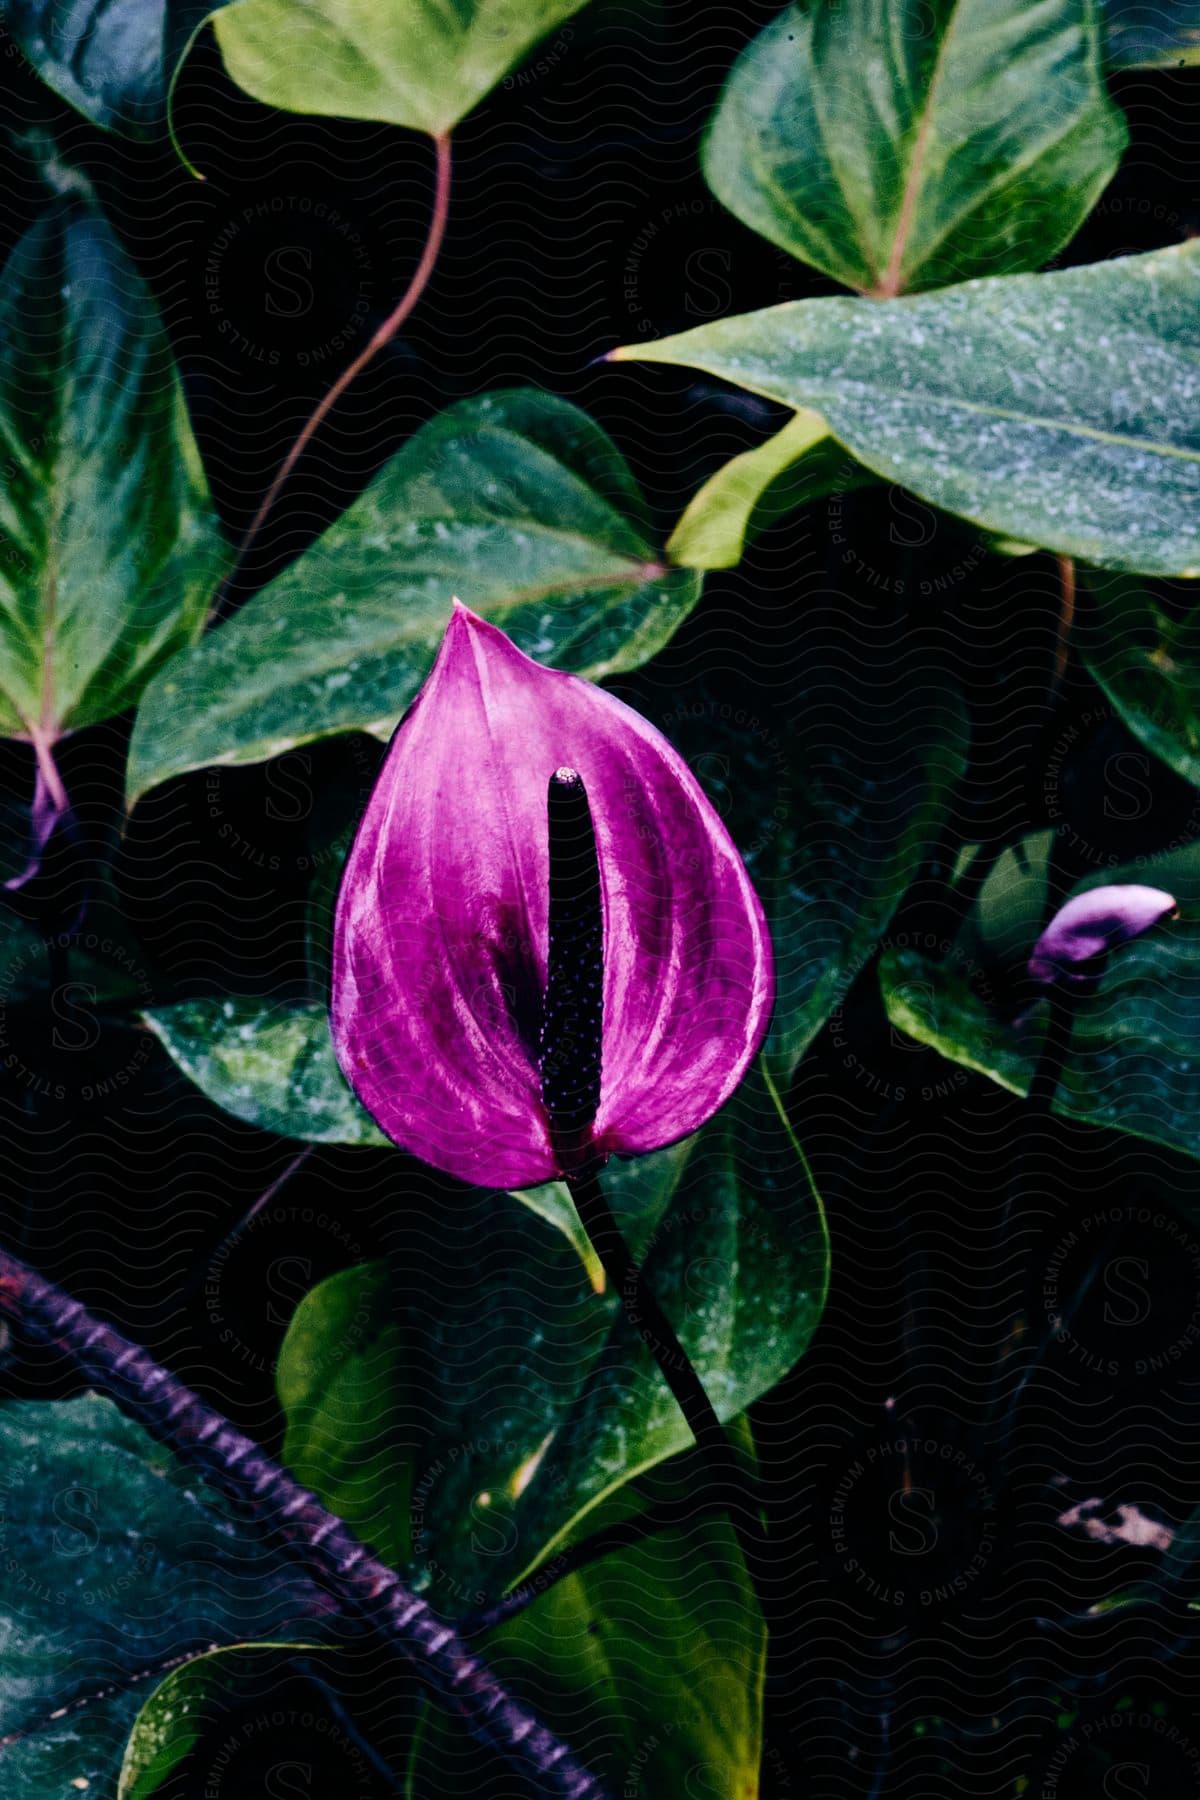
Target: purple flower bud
x=1092, y=924
x=527, y=829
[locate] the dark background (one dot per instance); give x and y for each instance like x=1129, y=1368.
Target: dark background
x=964, y=1661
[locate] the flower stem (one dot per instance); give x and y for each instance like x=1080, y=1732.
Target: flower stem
x=385, y=333
x=232, y=1462
x=655, y=1330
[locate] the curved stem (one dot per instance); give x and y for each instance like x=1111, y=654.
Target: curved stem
x=383, y=335
x=232, y=1462
x=655, y=1330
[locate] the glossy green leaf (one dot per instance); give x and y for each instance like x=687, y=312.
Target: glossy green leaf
x=1134, y=1058
x=904, y=144
x=113, y=60
x=800, y=464
x=834, y=789
x=1058, y=409
x=477, y=1412
x=650, y=1662
x=1151, y=33
x=179, y=1711
x=414, y=62
x=272, y=1066
x=108, y=545
x=1144, y=651
x=113, y=1561
x=517, y=503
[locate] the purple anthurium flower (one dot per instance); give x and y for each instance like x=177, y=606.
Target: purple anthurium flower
x=529, y=831
x=1091, y=924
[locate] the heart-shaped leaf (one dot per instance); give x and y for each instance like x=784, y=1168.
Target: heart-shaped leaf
x=1151, y=33
x=415, y=62
x=903, y=144
x=114, y=1562
x=480, y=1405
x=1058, y=409
x=667, y=1696
x=113, y=60
x=517, y=503
x=108, y=544
x=1144, y=650
x=1133, y=1062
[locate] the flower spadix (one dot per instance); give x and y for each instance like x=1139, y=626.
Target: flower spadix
x=546, y=948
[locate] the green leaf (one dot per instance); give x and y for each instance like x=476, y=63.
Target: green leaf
x=1134, y=1058
x=834, y=795
x=179, y=1711
x=1058, y=409
x=517, y=503
x=108, y=545
x=904, y=144
x=1145, y=654
x=800, y=464
x=414, y=62
x=113, y=1561
x=1151, y=33
x=272, y=1066
x=113, y=60
x=650, y=1662
x=466, y=1418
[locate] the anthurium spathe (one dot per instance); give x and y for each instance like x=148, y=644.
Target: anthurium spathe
x=444, y=922
x=1084, y=929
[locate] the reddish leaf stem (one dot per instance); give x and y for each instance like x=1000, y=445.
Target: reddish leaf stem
x=382, y=336
x=232, y=1462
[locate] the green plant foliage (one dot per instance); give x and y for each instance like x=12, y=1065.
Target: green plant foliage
x=1144, y=651
x=415, y=62
x=1133, y=1062
x=466, y=1420
x=1056, y=409
x=1151, y=33
x=802, y=463
x=517, y=503
x=108, y=544
x=113, y=60
x=272, y=1066
x=174, y=1718
x=833, y=808
x=114, y=1561
x=903, y=144
x=650, y=1662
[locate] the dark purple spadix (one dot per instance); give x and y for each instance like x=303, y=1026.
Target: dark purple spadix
x=1081, y=933
x=547, y=949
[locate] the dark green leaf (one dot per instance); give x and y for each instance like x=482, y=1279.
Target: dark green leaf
x=1145, y=654
x=113, y=60
x=1056, y=409
x=1151, y=33
x=467, y=1420
x=517, y=503
x=834, y=794
x=650, y=1662
x=414, y=62
x=903, y=144
x=113, y=1561
x=108, y=545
